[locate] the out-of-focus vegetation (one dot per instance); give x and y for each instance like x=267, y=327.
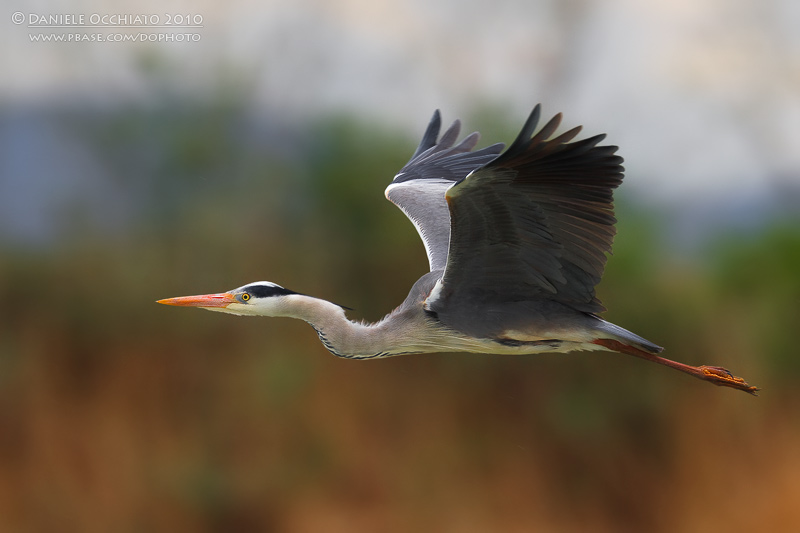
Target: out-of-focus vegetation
x=117, y=414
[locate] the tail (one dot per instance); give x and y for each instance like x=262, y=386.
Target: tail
x=614, y=332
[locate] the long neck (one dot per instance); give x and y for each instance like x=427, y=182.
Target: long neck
x=343, y=337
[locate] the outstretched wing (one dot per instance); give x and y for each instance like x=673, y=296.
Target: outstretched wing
x=420, y=186
x=533, y=224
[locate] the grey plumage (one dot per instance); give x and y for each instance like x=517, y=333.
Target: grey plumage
x=419, y=188
x=516, y=243
x=536, y=222
x=520, y=238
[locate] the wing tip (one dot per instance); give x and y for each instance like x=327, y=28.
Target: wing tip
x=526, y=133
x=431, y=133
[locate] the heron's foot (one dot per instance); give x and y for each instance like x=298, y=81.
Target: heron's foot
x=721, y=376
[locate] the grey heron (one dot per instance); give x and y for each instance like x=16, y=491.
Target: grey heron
x=516, y=243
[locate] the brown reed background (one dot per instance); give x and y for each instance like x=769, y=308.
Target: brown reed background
x=117, y=414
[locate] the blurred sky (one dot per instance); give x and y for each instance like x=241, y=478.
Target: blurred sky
x=702, y=96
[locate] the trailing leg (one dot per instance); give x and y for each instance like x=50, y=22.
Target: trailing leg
x=714, y=374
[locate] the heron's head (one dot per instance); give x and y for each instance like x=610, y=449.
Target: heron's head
x=261, y=298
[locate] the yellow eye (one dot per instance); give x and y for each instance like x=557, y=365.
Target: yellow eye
x=245, y=296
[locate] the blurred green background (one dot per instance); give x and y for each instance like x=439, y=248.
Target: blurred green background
x=117, y=414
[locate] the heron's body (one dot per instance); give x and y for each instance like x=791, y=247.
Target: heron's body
x=406, y=330
x=516, y=243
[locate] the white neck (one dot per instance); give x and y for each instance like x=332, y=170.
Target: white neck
x=343, y=337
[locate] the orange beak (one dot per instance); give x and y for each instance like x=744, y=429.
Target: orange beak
x=222, y=299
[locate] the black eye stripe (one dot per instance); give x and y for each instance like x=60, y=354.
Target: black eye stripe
x=266, y=291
